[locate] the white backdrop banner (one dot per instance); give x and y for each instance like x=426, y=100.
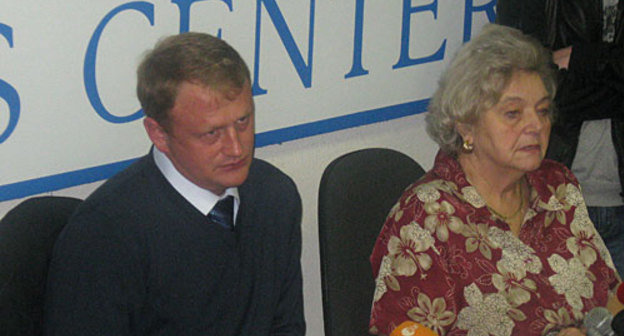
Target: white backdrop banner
x=68, y=110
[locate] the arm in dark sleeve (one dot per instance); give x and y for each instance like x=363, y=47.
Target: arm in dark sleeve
x=601, y=61
x=94, y=281
x=592, y=87
x=508, y=13
x=526, y=15
x=289, y=319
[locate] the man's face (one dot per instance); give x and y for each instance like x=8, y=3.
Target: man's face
x=210, y=138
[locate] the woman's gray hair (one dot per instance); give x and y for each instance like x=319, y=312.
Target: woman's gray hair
x=477, y=77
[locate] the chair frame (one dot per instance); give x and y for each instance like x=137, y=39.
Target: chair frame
x=356, y=192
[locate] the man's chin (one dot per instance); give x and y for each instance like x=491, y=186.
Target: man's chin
x=236, y=179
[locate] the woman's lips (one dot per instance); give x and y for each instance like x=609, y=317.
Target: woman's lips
x=531, y=148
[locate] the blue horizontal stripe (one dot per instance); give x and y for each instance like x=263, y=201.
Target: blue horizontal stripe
x=83, y=176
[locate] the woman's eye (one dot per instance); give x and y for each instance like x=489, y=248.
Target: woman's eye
x=512, y=113
x=544, y=111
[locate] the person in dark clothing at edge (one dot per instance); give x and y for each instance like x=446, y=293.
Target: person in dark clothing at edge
x=152, y=251
x=587, y=41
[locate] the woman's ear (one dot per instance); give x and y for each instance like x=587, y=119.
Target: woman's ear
x=465, y=131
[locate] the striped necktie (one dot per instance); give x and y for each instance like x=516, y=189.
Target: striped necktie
x=223, y=213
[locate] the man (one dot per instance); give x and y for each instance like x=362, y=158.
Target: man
x=141, y=257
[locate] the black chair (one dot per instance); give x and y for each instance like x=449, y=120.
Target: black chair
x=356, y=193
x=27, y=235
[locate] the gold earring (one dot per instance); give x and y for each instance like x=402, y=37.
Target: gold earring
x=468, y=147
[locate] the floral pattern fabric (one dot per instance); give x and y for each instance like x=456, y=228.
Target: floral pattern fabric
x=444, y=260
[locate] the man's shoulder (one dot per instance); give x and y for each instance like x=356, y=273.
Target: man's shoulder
x=267, y=185
x=263, y=174
x=124, y=188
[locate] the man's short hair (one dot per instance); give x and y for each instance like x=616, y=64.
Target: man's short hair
x=189, y=57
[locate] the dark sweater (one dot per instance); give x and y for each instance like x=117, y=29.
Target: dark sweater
x=138, y=259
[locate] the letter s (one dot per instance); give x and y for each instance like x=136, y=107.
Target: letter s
x=8, y=93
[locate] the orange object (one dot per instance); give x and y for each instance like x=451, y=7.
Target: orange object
x=411, y=328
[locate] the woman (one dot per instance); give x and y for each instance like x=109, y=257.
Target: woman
x=493, y=240
x=587, y=40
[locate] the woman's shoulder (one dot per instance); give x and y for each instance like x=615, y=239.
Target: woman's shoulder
x=430, y=187
x=552, y=172
x=555, y=183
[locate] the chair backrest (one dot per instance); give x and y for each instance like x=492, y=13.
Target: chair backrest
x=356, y=193
x=27, y=236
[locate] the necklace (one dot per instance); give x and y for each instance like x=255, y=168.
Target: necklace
x=513, y=215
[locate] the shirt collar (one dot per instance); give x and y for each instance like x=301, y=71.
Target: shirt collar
x=548, y=174
x=202, y=199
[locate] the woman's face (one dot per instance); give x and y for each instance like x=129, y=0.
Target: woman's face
x=513, y=135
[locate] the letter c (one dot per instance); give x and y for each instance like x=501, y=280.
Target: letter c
x=146, y=9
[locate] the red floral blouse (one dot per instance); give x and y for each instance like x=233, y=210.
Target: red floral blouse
x=444, y=260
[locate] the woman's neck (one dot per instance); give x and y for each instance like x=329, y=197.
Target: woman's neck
x=505, y=193
x=489, y=179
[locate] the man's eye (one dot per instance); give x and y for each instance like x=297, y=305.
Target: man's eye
x=210, y=134
x=242, y=123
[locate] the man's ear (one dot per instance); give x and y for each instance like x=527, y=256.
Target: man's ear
x=157, y=134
